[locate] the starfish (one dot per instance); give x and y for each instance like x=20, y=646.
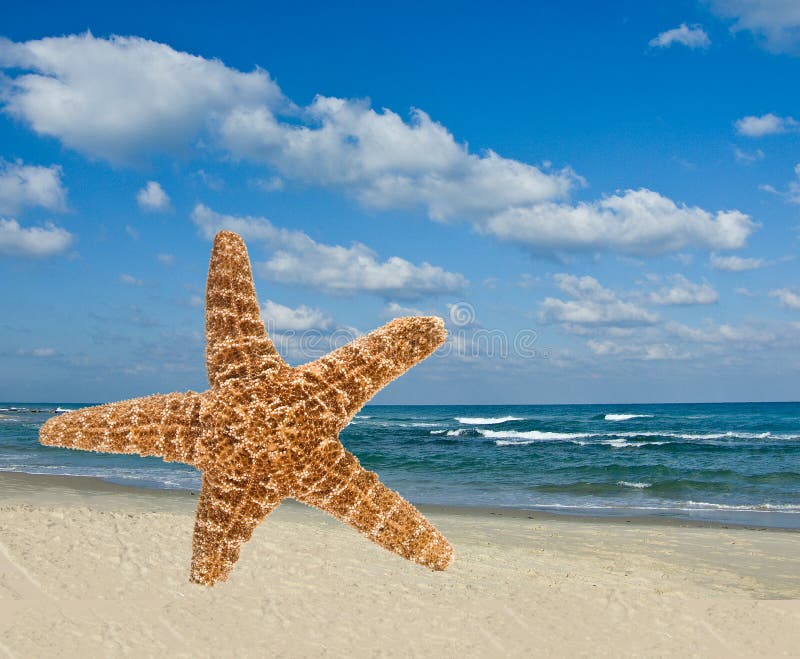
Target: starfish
x=265, y=431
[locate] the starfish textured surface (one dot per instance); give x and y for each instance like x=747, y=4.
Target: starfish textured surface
x=265, y=431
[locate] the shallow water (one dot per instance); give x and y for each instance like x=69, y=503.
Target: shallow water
x=733, y=462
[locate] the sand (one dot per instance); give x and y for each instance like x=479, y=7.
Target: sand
x=91, y=569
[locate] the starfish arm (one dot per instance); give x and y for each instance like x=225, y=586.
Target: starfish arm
x=165, y=425
x=228, y=512
x=355, y=496
x=348, y=377
x=237, y=344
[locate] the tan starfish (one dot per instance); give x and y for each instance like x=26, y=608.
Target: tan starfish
x=265, y=431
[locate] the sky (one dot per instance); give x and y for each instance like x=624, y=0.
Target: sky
x=601, y=199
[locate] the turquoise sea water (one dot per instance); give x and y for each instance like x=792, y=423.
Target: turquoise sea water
x=731, y=462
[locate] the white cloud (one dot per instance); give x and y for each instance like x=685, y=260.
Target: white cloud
x=210, y=180
x=736, y=263
x=685, y=292
x=122, y=97
x=638, y=351
x=395, y=310
x=787, y=298
x=766, y=124
x=676, y=341
x=720, y=334
x=346, y=270
x=152, y=197
x=591, y=304
x=775, y=23
x=48, y=240
x=792, y=192
x=636, y=222
x=298, y=347
x=271, y=184
x=166, y=259
x=527, y=280
x=690, y=36
x=747, y=157
x=281, y=318
x=37, y=352
x=386, y=162
x=130, y=280
x=30, y=185
x=298, y=259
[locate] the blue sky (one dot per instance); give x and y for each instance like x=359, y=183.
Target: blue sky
x=600, y=199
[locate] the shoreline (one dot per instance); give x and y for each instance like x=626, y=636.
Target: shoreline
x=89, y=568
x=22, y=483
x=730, y=467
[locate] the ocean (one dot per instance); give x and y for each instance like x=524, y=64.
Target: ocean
x=727, y=462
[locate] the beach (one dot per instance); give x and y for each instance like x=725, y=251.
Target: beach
x=88, y=568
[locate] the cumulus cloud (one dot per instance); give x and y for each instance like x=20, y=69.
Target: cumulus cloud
x=635, y=222
x=690, y=36
x=152, y=197
x=30, y=185
x=591, y=305
x=788, y=298
x=766, y=124
x=48, y=240
x=298, y=259
x=281, y=318
x=736, y=263
x=685, y=292
x=774, y=23
x=122, y=97
x=387, y=162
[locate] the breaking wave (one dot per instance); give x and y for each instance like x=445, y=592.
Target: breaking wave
x=626, y=417
x=485, y=421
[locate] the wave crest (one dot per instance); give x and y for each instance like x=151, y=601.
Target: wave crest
x=485, y=421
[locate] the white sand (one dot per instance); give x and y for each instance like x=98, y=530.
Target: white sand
x=92, y=570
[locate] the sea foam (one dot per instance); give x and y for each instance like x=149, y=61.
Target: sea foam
x=522, y=437
x=485, y=421
x=730, y=434
x=626, y=417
